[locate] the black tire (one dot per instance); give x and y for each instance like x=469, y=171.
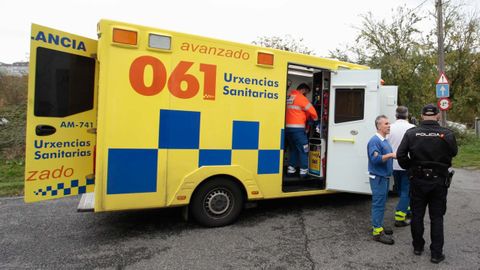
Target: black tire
x=217, y=203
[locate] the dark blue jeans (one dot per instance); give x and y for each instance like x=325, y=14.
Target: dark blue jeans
x=297, y=147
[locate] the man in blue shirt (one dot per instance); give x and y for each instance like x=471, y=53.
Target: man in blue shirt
x=380, y=167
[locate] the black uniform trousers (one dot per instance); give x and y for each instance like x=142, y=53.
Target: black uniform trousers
x=432, y=192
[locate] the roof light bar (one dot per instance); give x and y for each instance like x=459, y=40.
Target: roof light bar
x=161, y=42
x=264, y=58
x=123, y=36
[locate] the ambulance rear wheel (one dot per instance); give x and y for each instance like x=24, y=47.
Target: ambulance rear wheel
x=216, y=203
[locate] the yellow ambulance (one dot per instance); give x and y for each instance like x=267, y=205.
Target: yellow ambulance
x=150, y=118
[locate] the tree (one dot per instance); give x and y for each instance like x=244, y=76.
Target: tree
x=462, y=58
x=286, y=43
x=408, y=56
x=394, y=47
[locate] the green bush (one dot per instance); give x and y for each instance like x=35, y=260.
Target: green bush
x=12, y=143
x=464, y=137
x=13, y=107
x=13, y=89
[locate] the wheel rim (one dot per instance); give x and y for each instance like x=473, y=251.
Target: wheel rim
x=218, y=202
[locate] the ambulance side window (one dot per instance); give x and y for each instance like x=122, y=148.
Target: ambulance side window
x=349, y=104
x=64, y=83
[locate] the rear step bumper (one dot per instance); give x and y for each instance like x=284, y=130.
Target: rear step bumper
x=87, y=202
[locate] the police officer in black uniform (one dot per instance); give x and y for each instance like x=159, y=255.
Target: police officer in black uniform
x=426, y=152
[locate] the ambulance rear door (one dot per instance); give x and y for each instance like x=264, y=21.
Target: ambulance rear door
x=354, y=106
x=61, y=115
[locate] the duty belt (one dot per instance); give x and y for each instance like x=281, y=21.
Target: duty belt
x=427, y=173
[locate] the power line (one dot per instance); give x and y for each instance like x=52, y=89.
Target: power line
x=420, y=5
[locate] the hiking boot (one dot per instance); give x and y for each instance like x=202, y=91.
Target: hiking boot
x=388, y=231
x=401, y=223
x=437, y=259
x=383, y=238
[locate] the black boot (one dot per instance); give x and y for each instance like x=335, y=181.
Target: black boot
x=388, y=231
x=401, y=223
x=437, y=259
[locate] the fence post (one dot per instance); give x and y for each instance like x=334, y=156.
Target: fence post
x=477, y=126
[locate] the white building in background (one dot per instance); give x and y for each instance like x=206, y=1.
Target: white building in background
x=15, y=69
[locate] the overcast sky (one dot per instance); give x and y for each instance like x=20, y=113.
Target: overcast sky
x=324, y=25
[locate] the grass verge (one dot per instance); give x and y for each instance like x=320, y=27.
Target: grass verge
x=11, y=177
x=468, y=155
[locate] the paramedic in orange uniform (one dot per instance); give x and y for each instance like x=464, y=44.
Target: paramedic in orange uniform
x=299, y=110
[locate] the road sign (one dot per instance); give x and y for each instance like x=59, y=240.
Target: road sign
x=444, y=104
x=442, y=79
x=443, y=90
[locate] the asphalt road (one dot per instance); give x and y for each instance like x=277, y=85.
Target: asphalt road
x=321, y=232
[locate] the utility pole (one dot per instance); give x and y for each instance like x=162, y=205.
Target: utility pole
x=441, y=52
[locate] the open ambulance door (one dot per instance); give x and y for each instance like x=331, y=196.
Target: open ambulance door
x=354, y=105
x=388, y=101
x=61, y=115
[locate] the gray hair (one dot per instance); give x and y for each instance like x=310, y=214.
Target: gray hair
x=377, y=120
x=401, y=112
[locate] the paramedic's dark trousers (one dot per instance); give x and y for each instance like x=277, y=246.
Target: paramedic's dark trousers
x=434, y=194
x=298, y=147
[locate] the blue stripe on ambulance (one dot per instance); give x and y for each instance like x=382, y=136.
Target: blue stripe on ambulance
x=181, y=130
x=268, y=161
x=214, y=157
x=132, y=171
x=245, y=135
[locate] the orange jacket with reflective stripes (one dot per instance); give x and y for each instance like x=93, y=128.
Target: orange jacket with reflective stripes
x=299, y=109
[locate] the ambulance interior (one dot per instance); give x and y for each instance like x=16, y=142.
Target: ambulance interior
x=319, y=82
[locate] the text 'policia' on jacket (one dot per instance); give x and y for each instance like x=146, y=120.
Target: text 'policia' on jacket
x=150, y=118
x=430, y=145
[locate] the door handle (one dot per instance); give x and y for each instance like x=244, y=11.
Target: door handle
x=344, y=140
x=44, y=130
